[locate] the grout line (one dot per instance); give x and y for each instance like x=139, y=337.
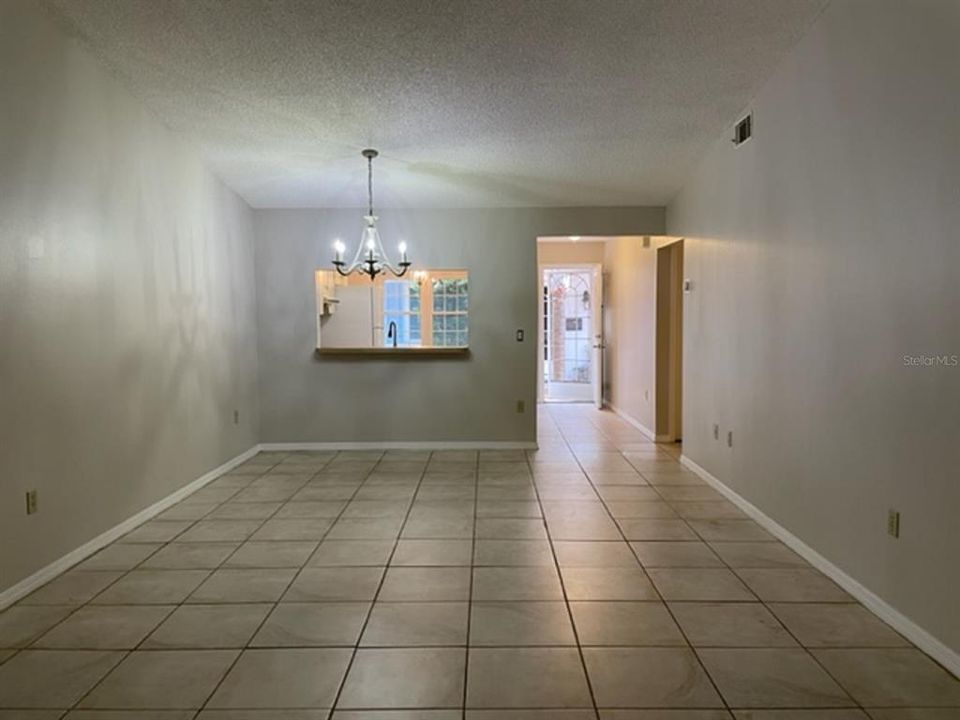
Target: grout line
x=473, y=555
x=563, y=590
x=690, y=647
x=383, y=577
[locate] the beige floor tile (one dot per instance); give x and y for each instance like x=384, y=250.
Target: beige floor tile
x=758, y=555
x=703, y=584
x=651, y=677
x=20, y=625
x=594, y=554
x=452, y=528
x=52, y=678
x=208, y=627
x=74, y=587
x=772, y=678
x=553, y=714
x=422, y=584
x=243, y=586
x=283, y=678
x=792, y=585
x=294, y=529
x=519, y=624
x=654, y=529
x=526, y=678
x=190, y=556
x=731, y=531
x=280, y=554
x=836, y=625
x=513, y=553
x=645, y=509
x=152, y=587
x=627, y=492
x=151, y=679
x=244, y=511
x=333, y=584
x=315, y=509
x=820, y=714
x=220, y=531
x=120, y=556
x=891, y=677
x=365, y=529
x=508, y=508
x=432, y=552
x=128, y=715
x=412, y=624
x=405, y=678
x=665, y=715
x=730, y=624
x=155, y=531
x=615, y=583
x=913, y=713
x=342, y=553
x=654, y=554
x=511, y=529
x=516, y=583
x=312, y=625
x=110, y=627
x=625, y=623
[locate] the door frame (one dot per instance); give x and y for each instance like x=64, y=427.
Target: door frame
x=596, y=271
x=668, y=364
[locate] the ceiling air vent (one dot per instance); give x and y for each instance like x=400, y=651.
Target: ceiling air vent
x=743, y=130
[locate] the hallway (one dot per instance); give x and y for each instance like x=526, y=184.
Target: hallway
x=593, y=574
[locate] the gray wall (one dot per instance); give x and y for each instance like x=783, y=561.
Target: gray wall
x=309, y=399
x=822, y=252
x=126, y=302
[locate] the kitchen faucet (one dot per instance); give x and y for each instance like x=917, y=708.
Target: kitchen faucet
x=392, y=332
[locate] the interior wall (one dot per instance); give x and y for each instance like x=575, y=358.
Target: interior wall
x=630, y=327
x=126, y=302
x=307, y=398
x=575, y=253
x=825, y=267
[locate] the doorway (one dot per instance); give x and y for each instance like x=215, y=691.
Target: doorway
x=669, y=342
x=571, y=334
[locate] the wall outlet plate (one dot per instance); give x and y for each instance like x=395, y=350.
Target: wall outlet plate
x=519, y=335
x=521, y=406
x=31, y=502
x=730, y=438
x=893, y=523
x=716, y=431
x=236, y=417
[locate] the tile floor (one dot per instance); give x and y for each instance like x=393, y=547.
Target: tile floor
x=594, y=578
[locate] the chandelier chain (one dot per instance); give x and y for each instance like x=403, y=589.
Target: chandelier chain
x=370, y=184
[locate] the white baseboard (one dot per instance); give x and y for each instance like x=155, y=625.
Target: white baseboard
x=633, y=421
x=404, y=445
x=46, y=574
x=893, y=617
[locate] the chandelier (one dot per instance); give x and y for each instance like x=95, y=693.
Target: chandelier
x=370, y=259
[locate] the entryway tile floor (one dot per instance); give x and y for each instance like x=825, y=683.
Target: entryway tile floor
x=593, y=578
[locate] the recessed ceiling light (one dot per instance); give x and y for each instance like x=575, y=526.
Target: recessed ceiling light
x=574, y=238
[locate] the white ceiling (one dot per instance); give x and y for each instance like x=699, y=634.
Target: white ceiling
x=471, y=102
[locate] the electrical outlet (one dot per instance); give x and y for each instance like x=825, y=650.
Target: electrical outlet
x=519, y=335
x=716, y=431
x=31, y=502
x=893, y=523
x=236, y=417
x=729, y=438
x=521, y=406
x=646, y=395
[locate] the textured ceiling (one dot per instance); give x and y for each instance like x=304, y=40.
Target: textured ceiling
x=472, y=103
